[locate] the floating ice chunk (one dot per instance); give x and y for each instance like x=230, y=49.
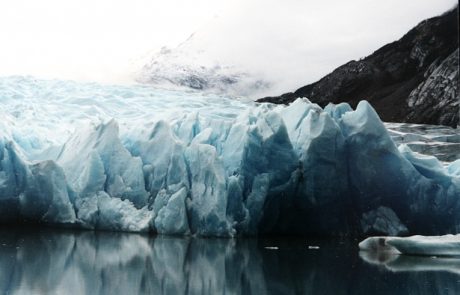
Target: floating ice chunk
x=271, y=248
x=447, y=245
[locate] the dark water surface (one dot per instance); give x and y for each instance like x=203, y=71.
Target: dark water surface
x=45, y=261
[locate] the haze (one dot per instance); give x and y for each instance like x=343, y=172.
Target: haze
x=107, y=40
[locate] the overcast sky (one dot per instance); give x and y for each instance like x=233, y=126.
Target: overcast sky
x=101, y=39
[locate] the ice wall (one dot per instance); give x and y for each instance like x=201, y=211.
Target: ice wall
x=217, y=169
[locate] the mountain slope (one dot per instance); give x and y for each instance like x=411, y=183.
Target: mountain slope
x=414, y=79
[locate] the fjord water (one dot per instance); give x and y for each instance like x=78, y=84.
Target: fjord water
x=47, y=261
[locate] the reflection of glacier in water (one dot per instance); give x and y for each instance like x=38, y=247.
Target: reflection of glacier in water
x=44, y=261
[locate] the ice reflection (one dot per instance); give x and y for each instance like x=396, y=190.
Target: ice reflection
x=39, y=261
x=409, y=263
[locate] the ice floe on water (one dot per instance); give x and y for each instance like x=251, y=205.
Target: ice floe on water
x=446, y=245
x=133, y=158
x=415, y=253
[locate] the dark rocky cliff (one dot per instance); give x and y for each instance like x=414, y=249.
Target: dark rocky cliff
x=414, y=79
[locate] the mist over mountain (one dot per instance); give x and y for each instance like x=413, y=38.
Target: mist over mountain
x=414, y=79
x=187, y=66
x=249, y=51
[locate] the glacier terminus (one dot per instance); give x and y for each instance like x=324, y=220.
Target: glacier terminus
x=134, y=158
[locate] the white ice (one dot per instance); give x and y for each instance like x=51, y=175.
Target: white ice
x=134, y=158
x=446, y=245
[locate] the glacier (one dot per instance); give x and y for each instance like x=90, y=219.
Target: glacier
x=134, y=158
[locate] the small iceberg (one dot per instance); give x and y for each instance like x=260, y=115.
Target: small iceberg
x=447, y=245
x=271, y=248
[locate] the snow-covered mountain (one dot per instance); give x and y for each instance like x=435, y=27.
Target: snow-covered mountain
x=258, y=48
x=186, y=66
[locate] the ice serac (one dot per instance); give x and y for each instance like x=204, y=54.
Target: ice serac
x=221, y=168
x=32, y=192
x=94, y=159
x=208, y=202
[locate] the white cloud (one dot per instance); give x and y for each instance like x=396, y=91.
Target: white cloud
x=91, y=39
x=292, y=40
x=297, y=42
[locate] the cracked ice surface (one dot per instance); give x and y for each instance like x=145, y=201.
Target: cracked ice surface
x=133, y=158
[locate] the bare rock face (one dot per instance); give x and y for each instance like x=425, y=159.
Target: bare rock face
x=414, y=79
x=436, y=99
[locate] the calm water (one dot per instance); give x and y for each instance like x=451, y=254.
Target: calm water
x=44, y=261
